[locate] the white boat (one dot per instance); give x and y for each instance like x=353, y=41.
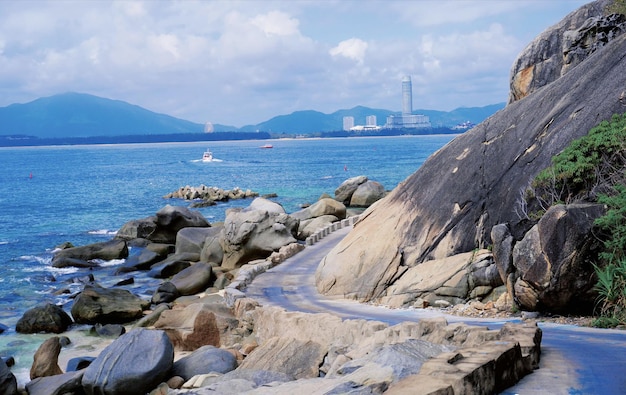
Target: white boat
x=267, y=146
x=207, y=156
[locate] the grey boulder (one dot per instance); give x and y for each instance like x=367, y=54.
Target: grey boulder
x=47, y=318
x=135, y=363
x=96, y=304
x=250, y=235
x=204, y=360
x=367, y=194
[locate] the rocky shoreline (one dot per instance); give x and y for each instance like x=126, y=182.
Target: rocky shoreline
x=202, y=335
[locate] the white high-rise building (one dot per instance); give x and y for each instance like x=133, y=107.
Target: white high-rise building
x=348, y=123
x=370, y=120
x=407, y=95
x=407, y=120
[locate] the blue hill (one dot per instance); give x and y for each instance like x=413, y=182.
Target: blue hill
x=78, y=115
x=82, y=115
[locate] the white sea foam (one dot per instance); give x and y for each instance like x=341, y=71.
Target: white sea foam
x=39, y=259
x=112, y=262
x=104, y=232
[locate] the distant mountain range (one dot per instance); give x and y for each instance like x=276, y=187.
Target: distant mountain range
x=82, y=115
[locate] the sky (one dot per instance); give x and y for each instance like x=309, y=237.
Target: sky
x=244, y=62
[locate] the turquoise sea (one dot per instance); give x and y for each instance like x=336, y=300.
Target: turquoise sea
x=83, y=194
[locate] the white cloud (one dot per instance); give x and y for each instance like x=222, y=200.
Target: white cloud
x=276, y=23
x=241, y=62
x=352, y=48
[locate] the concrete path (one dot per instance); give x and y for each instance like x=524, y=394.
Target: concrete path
x=574, y=360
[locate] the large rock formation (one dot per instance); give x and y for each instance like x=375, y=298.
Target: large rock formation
x=254, y=234
x=450, y=205
x=559, y=49
x=163, y=227
x=551, y=263
x=96, y=304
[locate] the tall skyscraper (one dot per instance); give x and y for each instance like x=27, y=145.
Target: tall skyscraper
x=407, y=96
x=370, y=120
x=407, y=120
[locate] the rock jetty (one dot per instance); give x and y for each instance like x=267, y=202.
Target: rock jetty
x=207, y=196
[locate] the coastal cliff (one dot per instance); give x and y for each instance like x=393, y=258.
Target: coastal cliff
x=450, y=205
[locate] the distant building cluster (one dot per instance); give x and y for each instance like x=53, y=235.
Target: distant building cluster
x=407, y=120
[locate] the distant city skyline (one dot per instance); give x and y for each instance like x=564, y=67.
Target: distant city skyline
x=406, y=120
x=243, y=62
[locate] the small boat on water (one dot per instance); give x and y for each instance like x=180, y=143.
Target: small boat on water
x=207, y=156
x=267, y=146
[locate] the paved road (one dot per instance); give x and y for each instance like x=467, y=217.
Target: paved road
x=574, y=360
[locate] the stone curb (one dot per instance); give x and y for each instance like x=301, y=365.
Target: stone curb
x=335, y=226
x=249, y=271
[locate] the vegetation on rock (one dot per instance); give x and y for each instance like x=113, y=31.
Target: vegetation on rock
x=593, y=168
x=617, y=7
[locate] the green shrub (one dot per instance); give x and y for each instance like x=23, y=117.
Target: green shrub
x=593, y=168
x=589, y=166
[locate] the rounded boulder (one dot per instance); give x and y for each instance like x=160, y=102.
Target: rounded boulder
x=47, y=318
x=135, y=363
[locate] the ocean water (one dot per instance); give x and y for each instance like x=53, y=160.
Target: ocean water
x=83, y=194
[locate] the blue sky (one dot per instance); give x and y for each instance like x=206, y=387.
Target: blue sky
x=243, y=62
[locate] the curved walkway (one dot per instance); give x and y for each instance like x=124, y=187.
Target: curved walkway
x=575, y=360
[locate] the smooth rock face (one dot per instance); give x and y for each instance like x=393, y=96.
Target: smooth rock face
x=194, y=279
x=450, y=205
x=45, y=360
x=141, y=261
x=368, y=357
x=135, y=363
x=367, y=194
x=8, y=382
x=204, y=360
x=290, y=356
x=212, y=250
x=60, y=384
x=324, y=206
x=310, y=226
x=250, y=235
x=551, y=261
x=107, y=250
x=163, y=227
x=173, y=264
x=191, y=240
x=106, y=306
x=266, y=205
x=190, y=328
x=344, y=192
x=563, y=46
x=47, y=318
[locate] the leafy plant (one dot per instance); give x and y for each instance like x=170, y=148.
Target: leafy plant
x=589, y=166
x=593, y=168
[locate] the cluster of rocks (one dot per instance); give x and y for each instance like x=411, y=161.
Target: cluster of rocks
x=180, y=247
x=208, y=196
x=531, y=267
x=200, y=346
x=359, y=191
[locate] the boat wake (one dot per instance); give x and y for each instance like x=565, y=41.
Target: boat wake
x=203, y=161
